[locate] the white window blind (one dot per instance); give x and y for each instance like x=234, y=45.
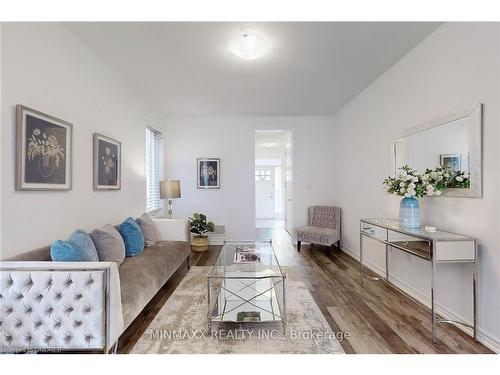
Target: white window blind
x=153, y=139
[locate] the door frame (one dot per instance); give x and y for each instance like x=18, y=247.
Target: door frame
x=292, y=147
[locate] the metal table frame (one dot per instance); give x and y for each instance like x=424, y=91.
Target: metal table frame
x=220, y=282
x=433, y=262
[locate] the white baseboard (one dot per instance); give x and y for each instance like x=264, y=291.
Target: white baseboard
x=486, y=339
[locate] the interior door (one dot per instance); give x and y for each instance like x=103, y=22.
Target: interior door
x=264, y=192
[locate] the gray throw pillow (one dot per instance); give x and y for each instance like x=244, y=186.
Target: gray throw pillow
x=148, y=229
x=109, y=244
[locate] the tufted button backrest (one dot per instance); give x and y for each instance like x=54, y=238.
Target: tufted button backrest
x=52, y=309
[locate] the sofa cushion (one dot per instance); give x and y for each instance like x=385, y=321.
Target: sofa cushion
x=141, y=277
x=78, y=248
x=148, y=229
x=109, y=244
x=41, y=254
x=321, y=236
x=132, y=236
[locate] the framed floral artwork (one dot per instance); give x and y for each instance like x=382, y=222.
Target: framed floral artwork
x=208, y=173
x=107, y=163
x=43, y=151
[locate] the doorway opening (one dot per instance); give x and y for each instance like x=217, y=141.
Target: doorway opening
x=273, y=181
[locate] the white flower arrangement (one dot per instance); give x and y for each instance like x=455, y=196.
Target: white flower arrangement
x=45, y=146
x=409, y=184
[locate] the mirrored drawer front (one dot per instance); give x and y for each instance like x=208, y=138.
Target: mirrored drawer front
x=414, y=245
x=455, y=251
x=374, y=231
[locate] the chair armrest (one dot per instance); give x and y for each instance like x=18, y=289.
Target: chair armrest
x=172, y=229
x=338, y=219
x=60, y=305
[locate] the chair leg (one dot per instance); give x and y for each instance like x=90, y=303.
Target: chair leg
x=298, y=246
x=188, y=262
x=113, y=349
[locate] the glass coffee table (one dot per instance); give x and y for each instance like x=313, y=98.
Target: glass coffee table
x=246, y=285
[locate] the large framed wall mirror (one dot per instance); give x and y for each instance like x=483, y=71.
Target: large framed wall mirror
x=454, y=142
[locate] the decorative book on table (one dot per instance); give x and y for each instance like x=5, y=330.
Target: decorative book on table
x=248, y=316
x=245, y=254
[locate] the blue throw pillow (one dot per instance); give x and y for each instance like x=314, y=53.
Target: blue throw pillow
x=78, y=248
x=132, y=237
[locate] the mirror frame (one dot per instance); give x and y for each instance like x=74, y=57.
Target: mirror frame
x=475, y=148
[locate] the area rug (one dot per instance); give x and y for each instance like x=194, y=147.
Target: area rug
x=180, y=327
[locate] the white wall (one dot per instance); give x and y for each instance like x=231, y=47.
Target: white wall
x=232, y=140
x=456, y=67
x=44, y=66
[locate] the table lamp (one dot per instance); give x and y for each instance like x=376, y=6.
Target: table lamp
x=170, y=189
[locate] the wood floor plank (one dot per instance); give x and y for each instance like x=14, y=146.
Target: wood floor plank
x=335, y=327
x=362, y=338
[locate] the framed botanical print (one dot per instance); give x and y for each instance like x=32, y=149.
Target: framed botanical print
x=43, y=151
x=208, y=173
x=107, y=163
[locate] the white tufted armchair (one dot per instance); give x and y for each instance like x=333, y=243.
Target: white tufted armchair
x=323, y=227
x=51, y=306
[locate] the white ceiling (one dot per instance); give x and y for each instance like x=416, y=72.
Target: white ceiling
x=312, y=68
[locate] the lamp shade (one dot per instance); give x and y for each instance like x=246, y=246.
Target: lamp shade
x=170, y=189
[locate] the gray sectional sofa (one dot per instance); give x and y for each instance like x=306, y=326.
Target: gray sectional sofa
x=142, y=276
x=84, y=305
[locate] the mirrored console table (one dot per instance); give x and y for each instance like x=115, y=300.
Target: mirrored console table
x=434, y=247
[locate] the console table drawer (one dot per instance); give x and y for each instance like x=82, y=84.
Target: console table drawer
x=374, y=231
x=455, y=251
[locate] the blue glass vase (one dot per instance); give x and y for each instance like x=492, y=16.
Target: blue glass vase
x=409, y=213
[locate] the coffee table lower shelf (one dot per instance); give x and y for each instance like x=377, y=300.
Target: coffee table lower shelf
x=246, y=299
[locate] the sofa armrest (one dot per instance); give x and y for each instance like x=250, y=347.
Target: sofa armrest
x=172, y=229
x=60, y=305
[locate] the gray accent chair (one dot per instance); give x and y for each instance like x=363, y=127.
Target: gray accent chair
x=323, y=227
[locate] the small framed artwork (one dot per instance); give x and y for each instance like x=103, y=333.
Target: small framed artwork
x=451, y=160
x=107, y=163
x=208, y=173
x=43, y=151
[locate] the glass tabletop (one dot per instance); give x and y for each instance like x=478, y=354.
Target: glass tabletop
x=246, y=260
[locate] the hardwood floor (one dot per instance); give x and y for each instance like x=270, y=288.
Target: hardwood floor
x=378, y=317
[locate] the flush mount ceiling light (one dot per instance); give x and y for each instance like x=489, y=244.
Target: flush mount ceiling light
x=269, y=144
x=248, y=46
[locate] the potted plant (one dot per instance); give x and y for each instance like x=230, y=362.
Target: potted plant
x=200, y=227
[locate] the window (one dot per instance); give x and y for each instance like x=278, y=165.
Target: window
x=262, y=175
x=153, y=139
